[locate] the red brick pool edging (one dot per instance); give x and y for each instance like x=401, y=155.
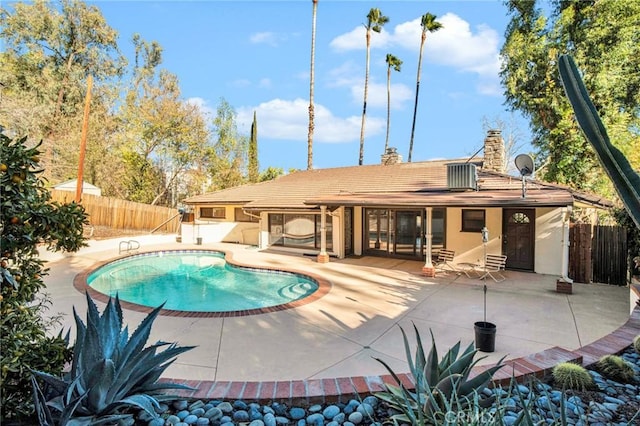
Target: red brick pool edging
x=342, y=389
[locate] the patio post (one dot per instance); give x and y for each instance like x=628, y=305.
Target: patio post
x=323, y=257
x=428, y=269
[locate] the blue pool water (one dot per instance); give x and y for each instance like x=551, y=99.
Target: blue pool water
x=197, y=281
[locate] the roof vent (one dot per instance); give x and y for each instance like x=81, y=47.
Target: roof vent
x=461, y=176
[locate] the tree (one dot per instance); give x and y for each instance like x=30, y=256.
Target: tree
x=163, y=136
x=396, y=64
x=271, y=173
x=229, y=151
x=29, y=219
x=602, y=37
x=48, y=54
x=429, y=24
x=311, y=86
x=254, y=170
x=375, y=22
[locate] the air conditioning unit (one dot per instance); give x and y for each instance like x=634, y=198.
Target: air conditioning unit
x=461, y=176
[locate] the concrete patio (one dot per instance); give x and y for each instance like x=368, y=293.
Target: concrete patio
x=340, y=334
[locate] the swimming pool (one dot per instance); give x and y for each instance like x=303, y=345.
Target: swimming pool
x=198, y=281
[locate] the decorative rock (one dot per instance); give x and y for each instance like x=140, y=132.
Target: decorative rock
x=279, y=409
x=254, y=413
x=213, y=413
x=239, y=405
x=316, y=408
x=190, y=419
x=371, y=400
x=281, y=420
x=302, y=422
x=202, y=421
x=269, y=419
x=365, y=409
x=339, y=418
x=333, y=423
x=315, y=419
x=268, y=410
x=156, y=422
x=182, y=414
x=297, y=413
x=196, y=404
x=180, y=405
x=161, y=408
x=330, y=412
x=225, y=407
x=241, y=416
x=225, y=419
x=256, y=422
x=199, y=412
x=356, y=417
x=173, y=420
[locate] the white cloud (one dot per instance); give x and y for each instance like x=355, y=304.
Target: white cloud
x=265, y=83
x=267, y=37
x=241, y=82
x=455, y=45
x=356, y=39
x=289, y=120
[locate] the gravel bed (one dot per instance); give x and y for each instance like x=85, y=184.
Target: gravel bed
x=612, y=403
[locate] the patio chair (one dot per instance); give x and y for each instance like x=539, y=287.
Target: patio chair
x=493, y=264
x=445, y=261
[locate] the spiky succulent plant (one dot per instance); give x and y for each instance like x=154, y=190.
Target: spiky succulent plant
x=616, y=368
x=111, y=373
x=636, y=343
x=569, y=375
x=440, y=386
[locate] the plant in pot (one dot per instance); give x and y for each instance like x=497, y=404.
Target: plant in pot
x=485, y=332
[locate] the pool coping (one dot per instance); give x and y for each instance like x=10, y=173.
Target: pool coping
x=342, y=389
x=324, y=286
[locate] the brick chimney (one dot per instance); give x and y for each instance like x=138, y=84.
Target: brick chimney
x=391, y=156
x=494, y=152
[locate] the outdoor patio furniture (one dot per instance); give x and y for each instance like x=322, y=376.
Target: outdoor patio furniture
x=494, y=263
x=445, y=261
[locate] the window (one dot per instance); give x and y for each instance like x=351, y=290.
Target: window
x=519, y=218
x=212, y=213
x=438, y=227
x=241, y=216
x=298, y=230
x=472, y=220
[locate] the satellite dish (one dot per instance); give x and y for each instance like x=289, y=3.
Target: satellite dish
x=524, y=163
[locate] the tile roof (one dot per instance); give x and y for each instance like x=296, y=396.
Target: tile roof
x=416, y=183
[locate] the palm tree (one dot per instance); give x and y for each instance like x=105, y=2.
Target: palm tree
x=395, y=63
x=375, y=22
x=311, y=83
x=428, y=23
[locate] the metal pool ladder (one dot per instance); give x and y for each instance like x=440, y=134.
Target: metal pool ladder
x=128, y=246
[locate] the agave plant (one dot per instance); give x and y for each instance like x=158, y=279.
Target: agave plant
x=440, y=386
x=111, y=374
x=624, y=178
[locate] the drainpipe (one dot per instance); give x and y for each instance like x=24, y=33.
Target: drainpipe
x=566, y=217
x=428, y=268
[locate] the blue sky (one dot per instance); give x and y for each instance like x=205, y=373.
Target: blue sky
x=256, y=55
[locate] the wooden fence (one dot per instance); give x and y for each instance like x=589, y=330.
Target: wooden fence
x=122, y=214
x=598, y=254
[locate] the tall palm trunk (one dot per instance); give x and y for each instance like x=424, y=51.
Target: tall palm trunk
x=386, y=141
x=364, y=105
x=311, y=85
x=415, y=104
x=428, y=23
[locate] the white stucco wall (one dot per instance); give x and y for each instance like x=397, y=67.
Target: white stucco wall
x=468, y=245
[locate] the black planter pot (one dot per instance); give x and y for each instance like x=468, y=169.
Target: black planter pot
x=485, y=336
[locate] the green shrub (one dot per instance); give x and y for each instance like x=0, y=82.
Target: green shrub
x=112, y=373
x=28, y=219
x=636, y=343
x=441, y=387
x=616, y=368
x=568, y=375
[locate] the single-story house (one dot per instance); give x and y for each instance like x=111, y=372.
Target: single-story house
x=395, y=209
x=71, y=186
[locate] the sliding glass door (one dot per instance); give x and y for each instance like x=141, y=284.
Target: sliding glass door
x=391, y=232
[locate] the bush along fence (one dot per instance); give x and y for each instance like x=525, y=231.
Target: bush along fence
x=123, y=214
